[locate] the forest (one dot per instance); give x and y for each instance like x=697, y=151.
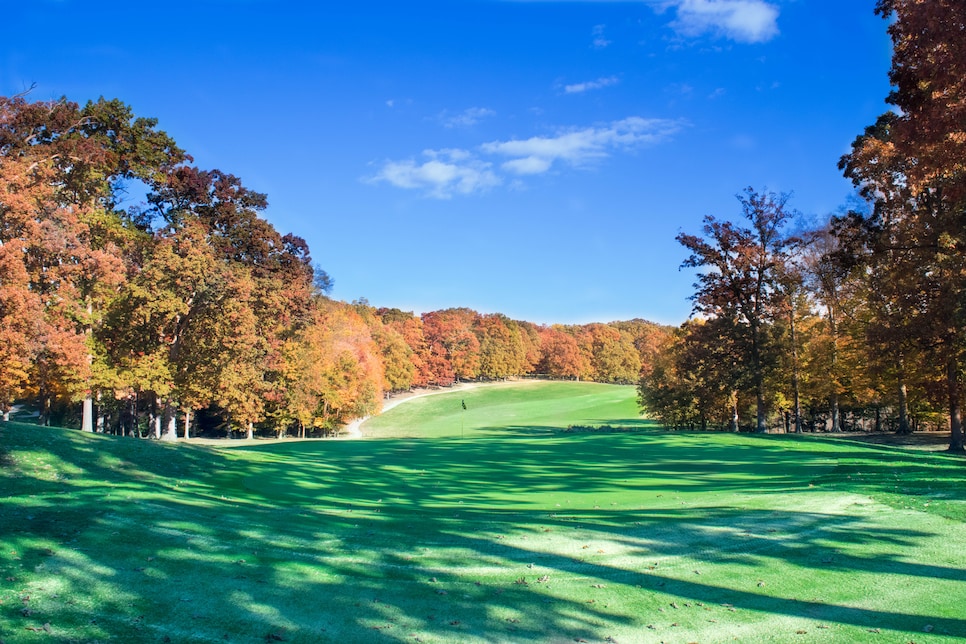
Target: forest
x=857, y=323
x=190, y=312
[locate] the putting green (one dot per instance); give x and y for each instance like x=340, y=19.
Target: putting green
x=508, y=536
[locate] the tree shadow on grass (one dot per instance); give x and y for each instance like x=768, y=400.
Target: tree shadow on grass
x=357, y=541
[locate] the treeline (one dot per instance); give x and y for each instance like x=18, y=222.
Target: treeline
x=860, y=324
x=140, y=319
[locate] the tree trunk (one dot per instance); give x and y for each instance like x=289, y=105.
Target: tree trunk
x=251, y=431
x=87, y=423
x=956, y=443
x=796, y=394
x=170, y=422
x=187, y=424
x=734, y=411
x=833, y=370
x=760, y=408
x=834, y=411
x=904, y=426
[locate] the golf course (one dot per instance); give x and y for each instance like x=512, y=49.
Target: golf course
x=514, y=512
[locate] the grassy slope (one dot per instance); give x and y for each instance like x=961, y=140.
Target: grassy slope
x=641, y=537
x=535, y=407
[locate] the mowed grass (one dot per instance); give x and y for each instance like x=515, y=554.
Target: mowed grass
x=501, y=409
x=503, y=536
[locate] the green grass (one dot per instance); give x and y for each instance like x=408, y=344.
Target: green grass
x=517, y=408
x=507, y=535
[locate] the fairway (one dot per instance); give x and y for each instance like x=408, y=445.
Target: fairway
x=517, y=532
x=516, y=408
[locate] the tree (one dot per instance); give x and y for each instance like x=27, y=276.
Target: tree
x=562, y=357
x=70, y=232
x=397, y=357
x=335, y=373
x=610, y=353
x=912, y=164
x=217, y=295
x=453, y=348
x=741, y=280
x=503, y=352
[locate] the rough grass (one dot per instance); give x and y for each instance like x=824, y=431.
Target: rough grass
x=509, y=536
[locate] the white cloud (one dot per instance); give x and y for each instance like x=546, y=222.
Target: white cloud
x=599, y=41
x=468, y=117
x=600, y=83
x=578, y=147
x=528, y=165
x=747, y=21
x=447, y=172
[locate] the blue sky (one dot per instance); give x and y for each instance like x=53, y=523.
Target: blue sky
x=530, y=158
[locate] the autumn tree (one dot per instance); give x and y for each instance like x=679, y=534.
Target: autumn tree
x=453, y=349
x=72, y=233
x=398, y=358
x=503, y=351
x=740, y=281
x=336, y=374
x=219, y=291
x=561, y=355
x=912, y=165
x=609, y=352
